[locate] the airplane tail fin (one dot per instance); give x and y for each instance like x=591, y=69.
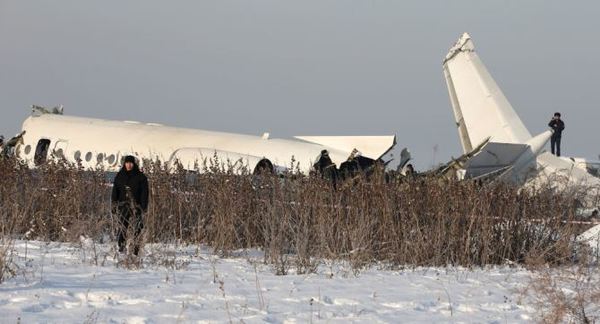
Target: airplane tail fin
x=480, y=107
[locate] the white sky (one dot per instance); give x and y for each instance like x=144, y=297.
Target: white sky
x=341, y=67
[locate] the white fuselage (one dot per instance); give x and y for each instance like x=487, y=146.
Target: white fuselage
x=102, y=143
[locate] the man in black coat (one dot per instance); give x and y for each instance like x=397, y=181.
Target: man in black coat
x=130, y=201
x=557, y=126
x=325, y=167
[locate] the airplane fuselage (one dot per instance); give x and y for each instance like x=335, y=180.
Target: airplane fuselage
x=103, y=143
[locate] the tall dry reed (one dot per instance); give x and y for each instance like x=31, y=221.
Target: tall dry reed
x=298, y=220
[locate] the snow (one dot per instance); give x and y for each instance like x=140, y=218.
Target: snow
x=592, y=238
x=61, y=283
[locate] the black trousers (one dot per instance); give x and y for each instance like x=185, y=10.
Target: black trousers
x=129, y=218
x=555, y=145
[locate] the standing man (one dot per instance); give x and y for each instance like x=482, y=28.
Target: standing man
x=130, y=200
x=326, y=168
x=557, y=126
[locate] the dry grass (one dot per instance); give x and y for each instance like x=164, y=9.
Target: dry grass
x=7, y=268
x=566, y=294
x=299, y=220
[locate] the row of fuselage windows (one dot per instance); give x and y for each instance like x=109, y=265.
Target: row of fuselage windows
x=42, y=148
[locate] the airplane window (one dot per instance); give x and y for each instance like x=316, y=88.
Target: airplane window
x=100, y=158
x=77, y=155
x=27, y=149
x=111, y=159
x=88, y=156
x=41, y=151
x=59, y=153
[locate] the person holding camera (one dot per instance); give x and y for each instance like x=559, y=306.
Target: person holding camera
x=557, y=126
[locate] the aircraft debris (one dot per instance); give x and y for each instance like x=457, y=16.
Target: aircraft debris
x=8, y=148
x=504, y=148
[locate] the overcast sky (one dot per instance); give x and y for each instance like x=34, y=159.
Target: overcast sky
x=342, y=67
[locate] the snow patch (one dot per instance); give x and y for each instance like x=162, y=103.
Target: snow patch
x=61, y=283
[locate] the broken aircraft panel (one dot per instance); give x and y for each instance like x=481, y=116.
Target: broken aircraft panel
x=9, y=147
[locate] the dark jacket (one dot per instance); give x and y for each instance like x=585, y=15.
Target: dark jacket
x=138, y=184
x=558, y=126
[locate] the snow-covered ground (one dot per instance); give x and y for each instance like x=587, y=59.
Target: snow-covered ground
x=61, y=283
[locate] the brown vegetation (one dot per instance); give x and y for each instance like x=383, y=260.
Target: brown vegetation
x=566, y=294
x=298, y=220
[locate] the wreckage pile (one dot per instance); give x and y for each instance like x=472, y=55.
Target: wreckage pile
x=300, y=221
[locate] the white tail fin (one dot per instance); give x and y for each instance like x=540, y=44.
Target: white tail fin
x=494, y=136
x=480, y=108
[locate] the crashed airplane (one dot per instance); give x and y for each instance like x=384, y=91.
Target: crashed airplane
x=494, y=139
x=96, y=143
x=497, y=144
